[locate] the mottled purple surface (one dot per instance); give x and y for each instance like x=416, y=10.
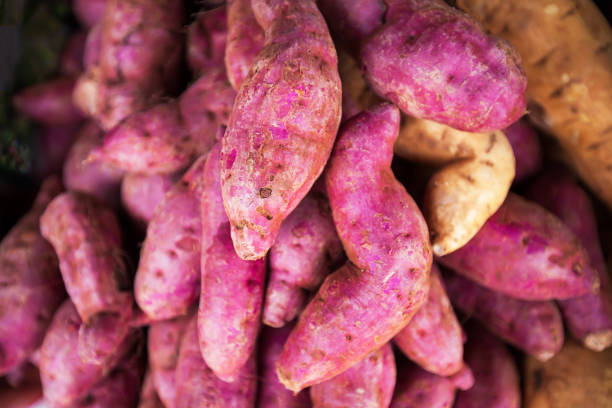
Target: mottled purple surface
x=49, y=103
x=526, y=147
x=417, y=388
x=525, y=252
x=283, y=125
x=140, y=194
x=206, y=39
x=365, y=303
x=435, y=62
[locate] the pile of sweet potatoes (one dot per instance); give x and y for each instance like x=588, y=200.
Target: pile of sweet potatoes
x=330, y=203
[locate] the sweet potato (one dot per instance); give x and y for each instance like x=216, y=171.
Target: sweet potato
x=88, y=12
x=148, y=394
x=356, y=95
x=525, y=252
x=91, y=53
x=51, y=149
x=307, y=248
x=163, y=345
x=534, y=327
x=385, y=238
x=103, y=335
x=496, y=378
x=229, y=315
x=91, y=176
x=140, y=194
x=49, y=103
x=283, y=125
x=369, y=383
x=576, y=377
x=31, y=285
x=589, y=317
x=273, y=394
x=168, y=275
x=565, y=47
x=437, y=63
x=526, y=147
x=433, y=338
x=206, y=38
x=245, y=39
x=197, y=385
x=473, y=184
x=71, y=59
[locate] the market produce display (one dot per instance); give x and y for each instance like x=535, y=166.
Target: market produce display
x=311, y=203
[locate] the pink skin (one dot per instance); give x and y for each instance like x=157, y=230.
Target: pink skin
x=87, y=240
x=49, y=103
x=53, y=145
x=148, y=394
x=306, y=250
x=534, y=327
x=88, y=12
x=273, y=394
x=433, y=338
x=91, y=176
x=31, y=285
x=437, y=63
x=103, y=336
x=589, y=317
x=91, y=53
x=168, y=275
x=369, y=383
x=526, y=147
x=352, y=21
x=283, y=125
x=140, y=194
x=385, y=238
x=198, y=386
x=245, y=39
x=542, y=259
x=229, y=316
x=164, y=343
x=71, y=60
x=206, y=38
x=496, y=377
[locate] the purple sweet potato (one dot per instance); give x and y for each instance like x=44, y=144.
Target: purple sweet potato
x=386, y=240
x=245, y=39
x=273, y=394
x=532, y=326
x=369, y=383
x=526, y=147
x=148, y=393
x=88, y=12
x=164, y=343
x=435, y=62
x=206, y=38
x=87, y=240
x=91, y=176
x=168, y=275
x=31, y=285
x=525, y=252
x=52, y=147
x=71, y=59
x=496, y=377
x=140, y=194
x=589, y=317
x=198, y=386
x=433, y=338
x=229, y=316
x=283, y=125
x=306, y=249
x=103, y=335
x=93, y=43
x=49, y=103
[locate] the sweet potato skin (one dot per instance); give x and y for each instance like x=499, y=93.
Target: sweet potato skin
x=168, y=275
x=283, y=124
x=87, y=240
x=229, y=315
x=49, y=103
x=140, y=194
x=385, y=238
x=417, y=388
x=88, y=12
x=533, y=326
x=71, y=59
x=206, y=40
x=245, y=39
x=368, y=383
x=480, y=90
x=197, y=385
x=526, y=147
x=433, y=338
x=148, y=393
x=273, y=394
x=32, y=286
x=588, y=317
x=542, y=258
x=496, y=378
x=306, y=249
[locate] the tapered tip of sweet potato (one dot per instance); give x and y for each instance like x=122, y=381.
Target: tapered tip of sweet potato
x=286, y=380
x=249, y=243
x=598, y=341
x=463, y=379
